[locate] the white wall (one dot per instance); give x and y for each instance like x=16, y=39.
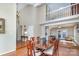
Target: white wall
x=31, y=15
x=70, y=31
x=77, y=38
x=41, y=16
x=28, y=17
x=8, y=39
x=76, y=34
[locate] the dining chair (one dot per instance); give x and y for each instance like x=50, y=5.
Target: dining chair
x=56, y=48
x=35, y=42
x=52, y=50
x=31, y=49
x=38, y=40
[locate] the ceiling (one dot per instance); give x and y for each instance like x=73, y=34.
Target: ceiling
x=19, y=6
x=63, y=25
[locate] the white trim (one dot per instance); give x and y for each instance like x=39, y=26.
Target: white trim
x=7, y=52
x=60, y=9
x=60, y=20
x=77, y=43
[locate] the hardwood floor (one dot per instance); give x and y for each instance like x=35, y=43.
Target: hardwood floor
x=66, y=48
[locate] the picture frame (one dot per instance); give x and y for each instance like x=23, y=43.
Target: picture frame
x=2, y=25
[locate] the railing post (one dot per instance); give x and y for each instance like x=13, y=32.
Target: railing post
x=63, y=12
x=76, y=8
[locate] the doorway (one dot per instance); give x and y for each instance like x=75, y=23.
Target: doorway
x=62, y=34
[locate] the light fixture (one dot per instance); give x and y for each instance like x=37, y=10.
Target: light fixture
x=37, y=4
x=59, y=27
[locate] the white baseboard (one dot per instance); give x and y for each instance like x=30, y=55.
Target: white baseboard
x=7, y=52
x=77, y=43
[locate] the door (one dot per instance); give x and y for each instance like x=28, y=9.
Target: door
x=59, y=34
x=18, y=33
x=18, y=40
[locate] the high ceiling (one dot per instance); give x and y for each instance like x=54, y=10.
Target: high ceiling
x=19, y=6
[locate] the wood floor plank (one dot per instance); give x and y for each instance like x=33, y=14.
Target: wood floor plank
x=64, y=50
